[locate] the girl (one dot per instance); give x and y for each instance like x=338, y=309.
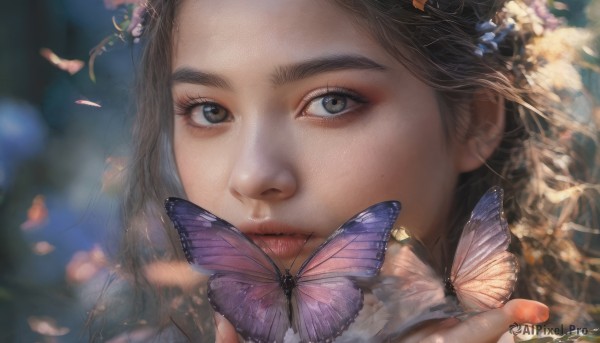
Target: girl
x=286, y=118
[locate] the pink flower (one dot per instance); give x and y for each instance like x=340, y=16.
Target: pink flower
x=540, y=7
x=135, y=26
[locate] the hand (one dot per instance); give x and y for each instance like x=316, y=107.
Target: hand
x=489, y=326
x=224, y=331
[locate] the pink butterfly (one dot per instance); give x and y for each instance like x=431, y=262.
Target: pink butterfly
x=482, y=277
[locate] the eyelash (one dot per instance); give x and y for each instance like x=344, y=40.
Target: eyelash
x=186, y=104
x=333, y=91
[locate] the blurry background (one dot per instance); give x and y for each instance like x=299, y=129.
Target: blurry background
x=60, y=161
x=59, y=164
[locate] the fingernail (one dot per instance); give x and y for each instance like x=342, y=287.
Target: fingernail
x=543, y=313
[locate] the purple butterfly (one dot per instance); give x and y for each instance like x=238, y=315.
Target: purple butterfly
x=249, y=289
x=482, y=277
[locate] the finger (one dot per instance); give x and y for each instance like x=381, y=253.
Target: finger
x=224, y=332
x=429, y=330
x=507, y=337
x=527, y=311
x=491, y=325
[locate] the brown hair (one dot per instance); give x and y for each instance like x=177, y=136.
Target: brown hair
x=542, y=196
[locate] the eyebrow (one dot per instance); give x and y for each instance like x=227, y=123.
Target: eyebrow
x=302, y=70
x=284, y=74
x=197, y=77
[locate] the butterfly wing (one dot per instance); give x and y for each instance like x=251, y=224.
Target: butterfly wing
x=257, y=308
x=214, y=245
x=244, y=286
x=484, y=273
x=323, y=308
x=325, y=301
x=413, y=291
x=357, y=248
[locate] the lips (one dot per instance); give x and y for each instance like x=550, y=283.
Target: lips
x=276, y=239
x=283, y=246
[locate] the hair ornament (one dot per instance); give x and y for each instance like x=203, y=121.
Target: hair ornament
x=491, y=35
x=400, y=233
x=129, y=27
x=420, y=4
x=516, y=16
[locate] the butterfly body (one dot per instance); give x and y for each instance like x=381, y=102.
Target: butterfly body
x=319, y=302
x=288, y=283
x=449, y=288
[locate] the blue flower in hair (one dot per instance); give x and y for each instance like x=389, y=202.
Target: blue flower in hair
x=491, y=35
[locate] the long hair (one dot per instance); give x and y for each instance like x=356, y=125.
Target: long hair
x=544, y=161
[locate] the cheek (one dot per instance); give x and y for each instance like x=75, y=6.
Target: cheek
x=199, y=167
x=422, y=175
x=400, y=158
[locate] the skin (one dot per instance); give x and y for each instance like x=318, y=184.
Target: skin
x=277, y=153
x=271, y=160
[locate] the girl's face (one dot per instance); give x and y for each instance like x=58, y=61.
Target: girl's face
x=290, y=119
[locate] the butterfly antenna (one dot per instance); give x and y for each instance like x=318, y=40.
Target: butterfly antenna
x=305, y=241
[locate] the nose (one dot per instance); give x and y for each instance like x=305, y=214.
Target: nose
x=263, y=169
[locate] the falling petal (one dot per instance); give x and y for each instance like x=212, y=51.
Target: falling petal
x=43, y=248
x=46, y=326
x=87, y=103
x=70, y=66
x=173, y=274
x=85, y=264
x=37, y=215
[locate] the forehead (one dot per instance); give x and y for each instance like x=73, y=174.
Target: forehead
x=232, y=31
